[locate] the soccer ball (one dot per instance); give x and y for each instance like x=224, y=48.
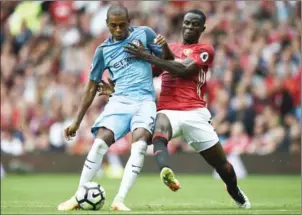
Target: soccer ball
x=91, y=196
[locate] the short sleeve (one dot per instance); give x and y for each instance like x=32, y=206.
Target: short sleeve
x=97, y=66
x=203, y=55
x=151, y=35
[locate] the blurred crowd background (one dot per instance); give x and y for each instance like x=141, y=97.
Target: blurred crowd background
x=253, y=88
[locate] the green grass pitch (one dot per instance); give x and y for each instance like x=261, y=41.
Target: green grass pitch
x=200, y=194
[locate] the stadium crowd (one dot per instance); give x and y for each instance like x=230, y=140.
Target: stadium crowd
x=253, y=88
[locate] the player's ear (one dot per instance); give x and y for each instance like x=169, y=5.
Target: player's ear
x=203, y=29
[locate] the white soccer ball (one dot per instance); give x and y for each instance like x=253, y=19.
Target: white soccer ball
x=91, y=196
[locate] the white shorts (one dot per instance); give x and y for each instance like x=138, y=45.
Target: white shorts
x=194, y=126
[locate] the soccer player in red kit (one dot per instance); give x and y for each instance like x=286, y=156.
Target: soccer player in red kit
x=182, y=111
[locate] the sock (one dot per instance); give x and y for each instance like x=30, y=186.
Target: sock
x=228, y=175
x=161, y=151
x=132, y=169
x=93, y=161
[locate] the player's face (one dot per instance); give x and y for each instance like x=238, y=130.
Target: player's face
x=118, y=26
x=192, y=27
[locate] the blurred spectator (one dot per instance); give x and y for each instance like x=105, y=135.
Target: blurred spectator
x=11, y=144
x=253, y=87
x=238, y=141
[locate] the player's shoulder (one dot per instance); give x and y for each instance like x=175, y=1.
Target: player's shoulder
x=99, y=50
x=105, y=43
x=146, y=29
x=204, y=47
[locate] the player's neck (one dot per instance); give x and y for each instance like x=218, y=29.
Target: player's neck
x=189, y=42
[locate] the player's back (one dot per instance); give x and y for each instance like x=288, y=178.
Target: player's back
x=133, y=77
x=186, y=93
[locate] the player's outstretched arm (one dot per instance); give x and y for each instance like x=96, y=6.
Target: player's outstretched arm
x=89, y=94
x=184, y=68
x=167, y=54
x=87, y=98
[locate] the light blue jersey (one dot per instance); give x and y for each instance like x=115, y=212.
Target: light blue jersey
x=133, y=103
x=133, y=77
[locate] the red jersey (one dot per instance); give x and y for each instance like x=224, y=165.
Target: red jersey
x=185, y=94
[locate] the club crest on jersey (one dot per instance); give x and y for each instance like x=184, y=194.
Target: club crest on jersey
x=187, y=52
x=136, y=42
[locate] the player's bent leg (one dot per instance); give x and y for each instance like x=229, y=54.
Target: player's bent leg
x=92, y=163
x=161, y=136
x=133, y=167
x=215, y=156
x=104, y=139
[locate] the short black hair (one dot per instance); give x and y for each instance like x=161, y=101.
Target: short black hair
x=117, y=10
x=200, y=13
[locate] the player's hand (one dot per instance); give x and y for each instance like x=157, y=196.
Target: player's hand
x=138, y=51
x=105, y=88
x=70, y=131
x=160, y=40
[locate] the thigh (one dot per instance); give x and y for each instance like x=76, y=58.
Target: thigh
x=198, y=130
x=175, y=119
x=144, y=117
x=115, y=117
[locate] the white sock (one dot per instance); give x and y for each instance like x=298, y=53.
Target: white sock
x=93, y=161
x=132, y=169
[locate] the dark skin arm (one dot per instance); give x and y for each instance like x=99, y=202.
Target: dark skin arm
x=184, y=69
x=89, y=94
x=105, y=88
x=167, y=53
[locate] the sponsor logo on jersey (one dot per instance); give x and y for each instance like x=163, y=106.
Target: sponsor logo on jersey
x=136, y=42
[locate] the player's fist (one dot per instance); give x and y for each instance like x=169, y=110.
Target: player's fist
x=160, y=40
x=105, y=88
x=70, y=131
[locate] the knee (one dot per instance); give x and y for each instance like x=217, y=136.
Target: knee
x=163, y=126
x=139, y=147
x=106, y=135
x=141, y=134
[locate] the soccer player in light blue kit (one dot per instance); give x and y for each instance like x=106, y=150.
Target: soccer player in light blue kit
x=131, y=108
